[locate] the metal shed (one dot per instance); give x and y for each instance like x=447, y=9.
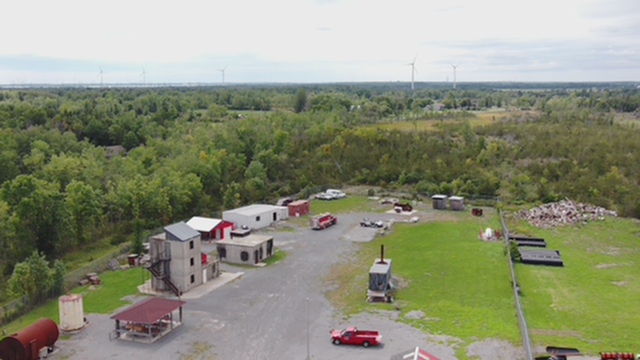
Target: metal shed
x=456, y=203
x=248, y=250
x=299, y=208
x=28, y=343
x=256, y=216
x=148, y=321
x=439, y=202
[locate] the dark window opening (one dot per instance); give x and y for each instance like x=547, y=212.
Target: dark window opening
x=193, y=279
x=191, y=244
x=244, y=256
x=191, y=261
x=257, y=218
x=222, y=252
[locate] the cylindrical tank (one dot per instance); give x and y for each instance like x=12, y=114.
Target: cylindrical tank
x=26, y=344
x=71, y=312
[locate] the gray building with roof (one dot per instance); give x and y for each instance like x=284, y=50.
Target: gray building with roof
x=176, y=260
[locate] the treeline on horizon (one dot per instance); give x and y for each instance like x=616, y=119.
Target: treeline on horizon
x=198, y=151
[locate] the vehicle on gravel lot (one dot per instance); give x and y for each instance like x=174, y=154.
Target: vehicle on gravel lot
x=324, y=196
x=370, y=223
x=323, y=221
x=337, y=194
x=353, y=336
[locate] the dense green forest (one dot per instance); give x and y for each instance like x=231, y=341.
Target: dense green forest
x=199, y=150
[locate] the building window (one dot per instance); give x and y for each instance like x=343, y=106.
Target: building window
x=222, y=252
x=191, y=244
x=193, y=279
x=257, y=218
x=244, y=256
x=192, y=261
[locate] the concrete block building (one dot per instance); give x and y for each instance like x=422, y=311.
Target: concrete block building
x=248, y=250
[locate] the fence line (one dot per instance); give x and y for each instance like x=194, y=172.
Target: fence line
x=526, y=338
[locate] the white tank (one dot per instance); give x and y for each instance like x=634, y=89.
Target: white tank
x=71, y=312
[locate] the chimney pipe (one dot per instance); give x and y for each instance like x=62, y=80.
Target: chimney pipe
x=382, y=254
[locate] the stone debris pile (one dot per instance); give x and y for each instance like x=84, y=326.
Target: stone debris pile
x=565, y=212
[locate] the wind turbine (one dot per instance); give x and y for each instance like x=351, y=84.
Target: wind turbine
x=222, y=71
x=144, y=76
x=101, y=73
x=413, y=70
x=454, y=74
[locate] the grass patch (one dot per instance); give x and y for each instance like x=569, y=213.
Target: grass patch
x=279, y=256
x=103, y=299
x=461, y=283
x=348, y=204
x=475, y=119
x=591, y=303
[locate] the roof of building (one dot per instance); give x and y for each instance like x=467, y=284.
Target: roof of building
x=439, y=197
x=414, y=354
x=456, y=198
x=255, y=209
x=182, y=231
x=249, y=240
x=149, y=311
x=380, y=267
x=298, y=202
x=203, y=224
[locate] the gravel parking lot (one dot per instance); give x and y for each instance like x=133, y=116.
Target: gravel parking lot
x=276, y=312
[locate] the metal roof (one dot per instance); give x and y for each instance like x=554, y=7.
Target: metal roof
x=414, y=354
x=439, y=197
x=298, y=202
x=380, y=268
x=456, y=198
x=203, y=223
x=149, y=311
x=182, y=231
x=256, y=209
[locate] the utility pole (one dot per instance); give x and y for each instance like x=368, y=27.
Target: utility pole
x=308, y=356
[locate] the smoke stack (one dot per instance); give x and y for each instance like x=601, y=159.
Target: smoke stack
x=382, y=255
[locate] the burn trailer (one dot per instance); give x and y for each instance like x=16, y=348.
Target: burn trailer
x=380, y=286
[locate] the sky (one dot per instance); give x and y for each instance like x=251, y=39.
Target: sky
x=316, y=41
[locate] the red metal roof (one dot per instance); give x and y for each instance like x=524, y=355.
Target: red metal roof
x=149, y=311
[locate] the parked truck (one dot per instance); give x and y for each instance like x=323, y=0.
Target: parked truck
x=353, y=336
x=323, y=221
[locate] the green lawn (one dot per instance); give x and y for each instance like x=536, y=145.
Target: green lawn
x=102, y=299
x=591, y=303
x=462, y=284
x=348, y=204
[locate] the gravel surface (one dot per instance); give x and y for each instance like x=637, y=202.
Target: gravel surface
x=277, y=312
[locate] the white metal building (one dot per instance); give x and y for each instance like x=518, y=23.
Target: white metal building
x=256, y=216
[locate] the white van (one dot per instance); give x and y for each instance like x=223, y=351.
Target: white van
x=337, y=194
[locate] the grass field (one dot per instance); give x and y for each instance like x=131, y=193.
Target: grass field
x=593, y=302
x=103, y=299
x=479, y=118
x=460, y=283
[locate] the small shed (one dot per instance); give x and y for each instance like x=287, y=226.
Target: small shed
x=148, y=320
x=247, y=250
x=211, y=229
x=456, y=203
x=439, y=202
x=299, y=208
x=414, y=354
x=256, y=216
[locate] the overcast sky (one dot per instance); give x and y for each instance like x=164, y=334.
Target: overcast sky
x=303, y=41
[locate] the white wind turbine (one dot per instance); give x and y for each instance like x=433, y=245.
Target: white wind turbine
x=144, y=76
x=101, y=74
x=222, y=71
x=413, y=70
x=454, y=74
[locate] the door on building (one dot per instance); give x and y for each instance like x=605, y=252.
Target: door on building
x=275, y=216
x=255, y=255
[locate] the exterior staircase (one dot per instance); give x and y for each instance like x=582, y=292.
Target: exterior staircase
x=155, y=269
